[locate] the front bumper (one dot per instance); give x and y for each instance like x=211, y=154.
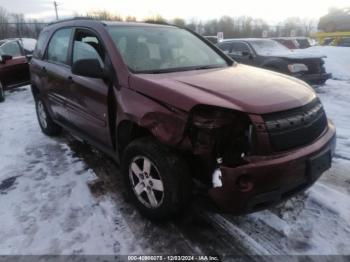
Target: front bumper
x=275, y=178
x=314, y=78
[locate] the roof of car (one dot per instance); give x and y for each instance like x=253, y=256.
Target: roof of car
x=290, y=37
x=244, y=39
x=118, y=23
x=110, y=23
x=4, y=41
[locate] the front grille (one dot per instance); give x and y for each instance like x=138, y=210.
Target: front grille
x=314, y=67
x=297, y=127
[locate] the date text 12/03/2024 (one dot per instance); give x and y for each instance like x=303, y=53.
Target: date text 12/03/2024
x=173, y=258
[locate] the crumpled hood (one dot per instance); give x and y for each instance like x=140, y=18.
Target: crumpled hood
x=240, y=87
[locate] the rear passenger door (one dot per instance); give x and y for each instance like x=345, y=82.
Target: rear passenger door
x=88, y=107
x=55, y=72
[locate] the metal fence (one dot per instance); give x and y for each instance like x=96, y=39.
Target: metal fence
x=18, y=30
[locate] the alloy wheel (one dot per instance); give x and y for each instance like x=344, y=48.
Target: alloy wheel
x=146, y=182
x=42, y=114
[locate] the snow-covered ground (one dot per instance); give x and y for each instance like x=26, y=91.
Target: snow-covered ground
x=60, y=196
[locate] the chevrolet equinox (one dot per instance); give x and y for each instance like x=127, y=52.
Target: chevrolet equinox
x=170, y=107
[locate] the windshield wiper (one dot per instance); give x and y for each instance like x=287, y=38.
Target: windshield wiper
x=179, y=69
x=207, y=67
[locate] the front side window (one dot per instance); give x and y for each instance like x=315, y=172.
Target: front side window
x=11, y=48
x=87, y=46
x=150, y=49
x=40, y=45
x=239, y=48
x=58, y=47
x=226, y=47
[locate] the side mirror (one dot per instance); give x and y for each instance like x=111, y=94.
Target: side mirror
x=29, y=57
x=89, y=68
x=5, y=58
x=246, y=53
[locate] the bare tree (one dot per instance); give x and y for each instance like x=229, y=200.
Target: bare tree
x=104, y=15
x=4, y=27
x=179, y=22
x=130, y=18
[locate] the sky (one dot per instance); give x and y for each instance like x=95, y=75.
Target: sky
x=269, y=10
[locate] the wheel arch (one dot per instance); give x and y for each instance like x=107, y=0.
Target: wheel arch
x=128, y=131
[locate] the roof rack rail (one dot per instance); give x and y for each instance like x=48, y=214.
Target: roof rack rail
x=71, y=19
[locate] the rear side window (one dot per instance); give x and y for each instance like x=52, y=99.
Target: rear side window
x=57, y=51
x=11, y=48
x=40, y=45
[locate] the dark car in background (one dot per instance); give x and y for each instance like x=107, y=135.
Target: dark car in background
x=294, y=42
x=14, y=68
x=337, y=20
x=212, y=39
x=287, y=42
x=269, y=54
x=170, y=107
x=344, y=42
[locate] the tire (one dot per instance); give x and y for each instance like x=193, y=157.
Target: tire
x=167, y=172
x=47, y=125
x=319, y=82
x=2, y=93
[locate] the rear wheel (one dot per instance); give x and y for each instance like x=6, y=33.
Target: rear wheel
x=157, y=179
x=2, y=93
x=46, y=123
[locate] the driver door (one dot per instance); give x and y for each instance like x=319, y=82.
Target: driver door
x=88, y=106
x=14, y=71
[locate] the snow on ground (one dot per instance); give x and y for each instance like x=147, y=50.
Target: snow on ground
x=46, y=205
x=60, y=196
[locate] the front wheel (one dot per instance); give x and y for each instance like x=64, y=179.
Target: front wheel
x=47, y=125
x=2, y=93
x=157, y=179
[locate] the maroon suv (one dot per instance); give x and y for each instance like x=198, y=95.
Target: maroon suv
x=169, y=106
x=14, y=68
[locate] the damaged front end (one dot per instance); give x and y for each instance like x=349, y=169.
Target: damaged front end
x=219, y=137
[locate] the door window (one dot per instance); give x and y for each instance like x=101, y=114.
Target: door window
x=40, y=45
x=87, y=46
x=226, y=47
x=58, y=47
x=11, y=48
x=239, y=47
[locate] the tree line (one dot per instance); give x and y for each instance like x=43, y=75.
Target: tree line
x=15, y=25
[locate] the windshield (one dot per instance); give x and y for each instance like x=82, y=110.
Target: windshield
x=150, y=49
x=268, y=47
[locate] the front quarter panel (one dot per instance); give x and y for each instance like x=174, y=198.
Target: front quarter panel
x=164, y=123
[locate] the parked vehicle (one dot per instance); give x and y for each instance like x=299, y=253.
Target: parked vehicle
x=344, y=42
x=14, y=69
x=272, y=55
x=287, y=42
x=213, y=39
x=169, y=107
x=338, y=20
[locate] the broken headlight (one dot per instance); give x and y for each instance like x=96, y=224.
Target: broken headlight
x=221, y=133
